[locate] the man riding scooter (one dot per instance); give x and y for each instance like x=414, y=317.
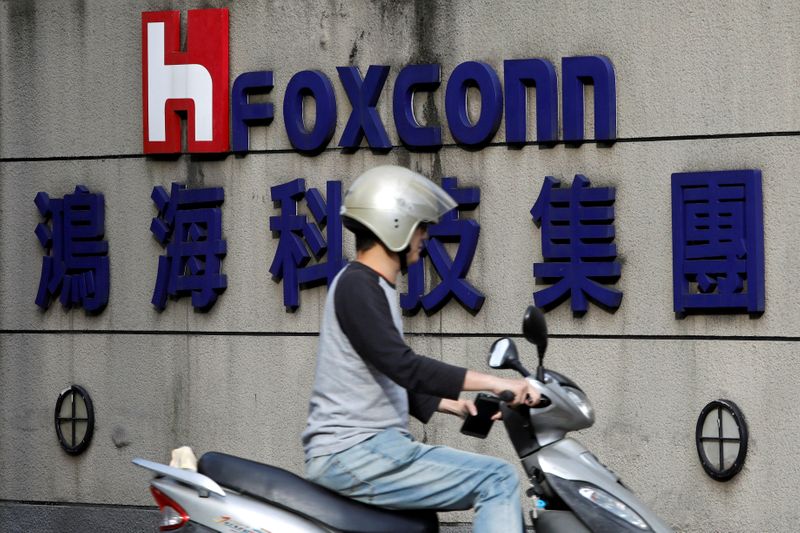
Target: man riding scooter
x=368, y=380
x=367, y=383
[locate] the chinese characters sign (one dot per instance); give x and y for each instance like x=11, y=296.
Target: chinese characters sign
x=717, y=225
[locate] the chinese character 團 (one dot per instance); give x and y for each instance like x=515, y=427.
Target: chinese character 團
x=296, y=235
x=77, y=262
x=189, y=226
x=718, y=242
x=451, y=271
x=577, y=245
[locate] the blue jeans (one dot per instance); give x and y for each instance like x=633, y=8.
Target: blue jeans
x=392, y=470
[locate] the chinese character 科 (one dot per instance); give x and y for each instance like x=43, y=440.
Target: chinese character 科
x=718, y=242
x=296, y=236
x=577, y=245
x=77, y=263
x=452, y=272
x=189, y=226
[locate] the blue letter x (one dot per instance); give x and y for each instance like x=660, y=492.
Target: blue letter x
x=363, y=95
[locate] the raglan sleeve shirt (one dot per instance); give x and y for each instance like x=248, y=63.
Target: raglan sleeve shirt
x=362, y=310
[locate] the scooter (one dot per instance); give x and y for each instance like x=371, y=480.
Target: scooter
x=578, y=492
x=571, y=490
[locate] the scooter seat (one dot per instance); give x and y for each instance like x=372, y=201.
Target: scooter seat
x=288, y=491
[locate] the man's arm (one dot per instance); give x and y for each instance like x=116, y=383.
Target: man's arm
x=362, y=310
x=422, y=406
x=459, y=408
x=363, y=313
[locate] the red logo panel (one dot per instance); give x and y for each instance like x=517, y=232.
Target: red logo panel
x=192, y=84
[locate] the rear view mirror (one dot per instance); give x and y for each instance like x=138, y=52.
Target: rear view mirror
x=503, y=354
x=534, y=327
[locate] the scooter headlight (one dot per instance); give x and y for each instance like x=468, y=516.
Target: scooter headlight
x=613, y=506
x=581, y=401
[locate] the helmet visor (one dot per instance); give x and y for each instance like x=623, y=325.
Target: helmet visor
x=423, y=200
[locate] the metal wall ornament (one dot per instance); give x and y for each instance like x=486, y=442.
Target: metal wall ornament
x=721, y=437
x=74, y=419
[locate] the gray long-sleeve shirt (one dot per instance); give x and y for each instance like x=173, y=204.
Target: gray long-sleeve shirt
x=367, y=378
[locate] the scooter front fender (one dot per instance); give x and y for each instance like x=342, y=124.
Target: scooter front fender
x=569, y=460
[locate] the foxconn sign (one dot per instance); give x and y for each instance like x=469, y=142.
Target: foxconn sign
x=194, y=84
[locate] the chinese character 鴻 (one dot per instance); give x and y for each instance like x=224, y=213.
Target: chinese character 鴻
x=77, y=263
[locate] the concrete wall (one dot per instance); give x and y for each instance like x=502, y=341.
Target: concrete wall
x=700, y=86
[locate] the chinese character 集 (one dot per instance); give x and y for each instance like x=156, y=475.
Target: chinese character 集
x=577, y=245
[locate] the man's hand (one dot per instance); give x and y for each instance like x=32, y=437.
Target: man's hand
x=459, y=408
x=523, y=391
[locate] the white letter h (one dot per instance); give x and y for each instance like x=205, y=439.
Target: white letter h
x=165, y=82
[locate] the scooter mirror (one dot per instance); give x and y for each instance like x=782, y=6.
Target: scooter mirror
x=503, y=354
x=534, y=328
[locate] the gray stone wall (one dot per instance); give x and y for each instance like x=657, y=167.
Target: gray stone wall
x=700, y=86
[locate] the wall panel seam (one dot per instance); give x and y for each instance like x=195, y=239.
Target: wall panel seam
x=223, y=155
x=588, y=336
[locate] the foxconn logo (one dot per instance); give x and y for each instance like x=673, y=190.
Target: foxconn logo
x=191, y=83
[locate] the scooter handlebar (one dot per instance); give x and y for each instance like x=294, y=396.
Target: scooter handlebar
x=507, y=396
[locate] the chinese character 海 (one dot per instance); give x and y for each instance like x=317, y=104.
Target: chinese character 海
x=296, y=235
x=451, y=271
x=718, y=241
x=77, y=263
x=577, y=245
x=189, y=226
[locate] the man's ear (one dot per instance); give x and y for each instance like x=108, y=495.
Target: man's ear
x=403, y=256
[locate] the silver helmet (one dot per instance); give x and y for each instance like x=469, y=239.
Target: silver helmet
x=392, y=201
